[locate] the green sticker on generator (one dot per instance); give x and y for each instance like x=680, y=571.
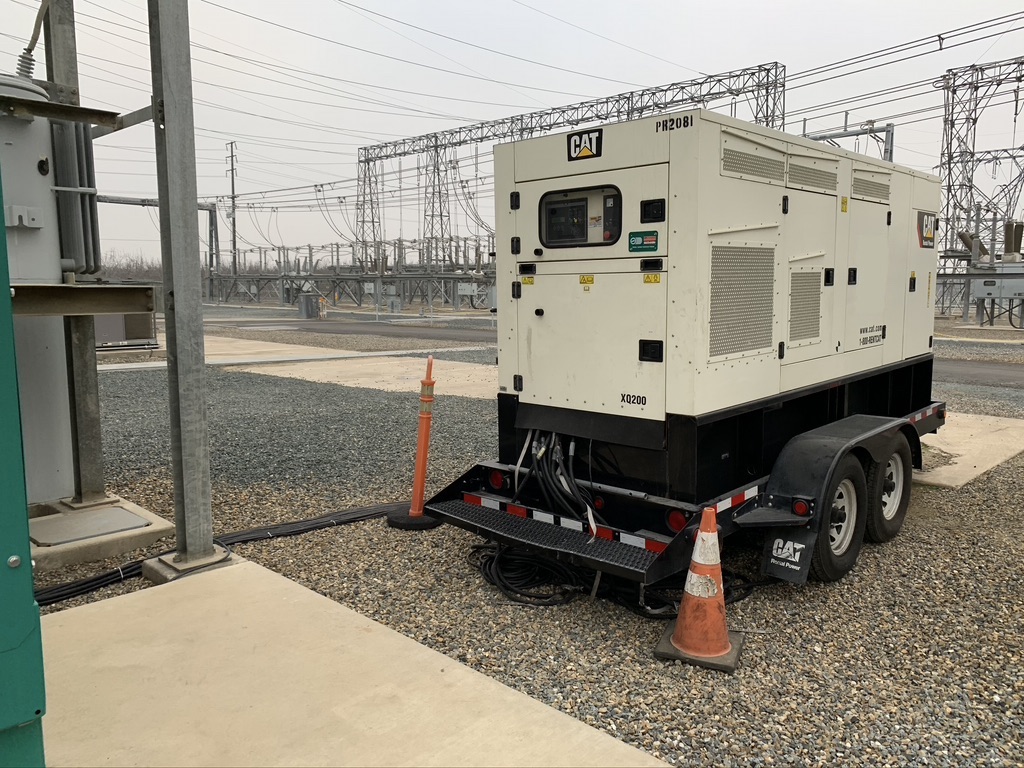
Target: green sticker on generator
x=643, y=241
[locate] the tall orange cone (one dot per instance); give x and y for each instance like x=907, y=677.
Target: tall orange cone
x=699, y=635
x=413, y=519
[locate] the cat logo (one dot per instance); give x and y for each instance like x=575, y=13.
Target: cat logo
x=787, y=550
x=585, y=144
x=926, y=229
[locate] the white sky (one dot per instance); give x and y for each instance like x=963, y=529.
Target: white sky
x=285, y=140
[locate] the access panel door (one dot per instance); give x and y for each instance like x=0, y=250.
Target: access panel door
x=593, y=340
x=866, y=276
x=604, y=215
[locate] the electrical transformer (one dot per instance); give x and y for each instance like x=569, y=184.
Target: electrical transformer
x=685, y=301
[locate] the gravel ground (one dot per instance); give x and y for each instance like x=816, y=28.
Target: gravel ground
x=913, y=659
x=478, y=356
x=343, y=341
x=1002, y=352
x=990, y=401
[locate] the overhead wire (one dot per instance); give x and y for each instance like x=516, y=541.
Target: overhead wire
x=422, y=65
x=489, y=49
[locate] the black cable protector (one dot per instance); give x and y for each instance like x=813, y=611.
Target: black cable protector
x=62, y=592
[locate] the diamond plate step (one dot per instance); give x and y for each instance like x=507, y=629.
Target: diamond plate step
x=563, y=543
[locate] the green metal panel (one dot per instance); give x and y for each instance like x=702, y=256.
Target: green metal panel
x=22, y=697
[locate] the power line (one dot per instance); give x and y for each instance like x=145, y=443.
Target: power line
x=608, y=39
x=588, y=75
x=313, y=36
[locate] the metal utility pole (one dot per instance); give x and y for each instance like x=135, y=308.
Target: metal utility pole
x=174, y=129
x=234, y=211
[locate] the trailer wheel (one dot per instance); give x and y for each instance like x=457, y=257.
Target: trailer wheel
x=889, y=488
x=842, y=527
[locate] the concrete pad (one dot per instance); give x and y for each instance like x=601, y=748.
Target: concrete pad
x=224, y=349
x=164, y=568
x=978, y=444
x=241, y=666
x=92, y=533
x=391, y=374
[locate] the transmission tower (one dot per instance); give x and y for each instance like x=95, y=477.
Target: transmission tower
x=968, y=91
x=764, y=84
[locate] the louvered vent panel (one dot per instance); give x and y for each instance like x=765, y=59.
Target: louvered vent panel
x=742, y=299
x=804, y=176
x=867, y=188
x=751, y=164
x=804, y=306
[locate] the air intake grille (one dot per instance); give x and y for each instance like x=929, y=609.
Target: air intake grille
x=750, y=164
x=803, y=176
x=804, y=306
x=742, y=299
x=866, y=188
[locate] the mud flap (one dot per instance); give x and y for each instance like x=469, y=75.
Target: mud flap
x=787, y=554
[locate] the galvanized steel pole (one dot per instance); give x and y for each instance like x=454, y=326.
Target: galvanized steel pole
x=174, y=128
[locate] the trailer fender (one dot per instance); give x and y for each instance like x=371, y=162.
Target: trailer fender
x=803, y=472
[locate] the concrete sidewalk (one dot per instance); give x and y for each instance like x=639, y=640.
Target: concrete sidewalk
x=240, y=666
x=225, y=350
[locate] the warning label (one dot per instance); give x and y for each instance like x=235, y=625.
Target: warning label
x=586, y=279
x=649, y=279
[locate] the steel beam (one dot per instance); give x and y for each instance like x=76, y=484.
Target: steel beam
x=79, y=328
x=80, y=300
x=174, y=128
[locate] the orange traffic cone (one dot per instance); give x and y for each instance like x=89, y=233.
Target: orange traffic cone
x=699, y=635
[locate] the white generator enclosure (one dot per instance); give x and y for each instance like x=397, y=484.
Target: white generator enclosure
x=694, y=264
x=696, y=313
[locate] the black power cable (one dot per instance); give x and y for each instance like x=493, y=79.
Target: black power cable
x=62, y=592
x=526, y=577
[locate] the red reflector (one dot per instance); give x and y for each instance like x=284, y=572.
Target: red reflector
x=655, y=546
x=598, y=503
x=471, y=499
x=496, y=479
x=515, y=509
x=605, y=533
x=676, y=520
x=801, y=508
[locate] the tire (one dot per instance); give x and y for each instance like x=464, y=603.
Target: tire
x=889, y=484
x=840, y=537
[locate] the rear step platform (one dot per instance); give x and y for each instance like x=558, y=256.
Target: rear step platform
x=578, y=547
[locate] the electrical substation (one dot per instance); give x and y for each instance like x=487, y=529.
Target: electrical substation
x=692, y=350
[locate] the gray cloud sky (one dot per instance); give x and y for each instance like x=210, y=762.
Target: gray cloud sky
x=299, y=105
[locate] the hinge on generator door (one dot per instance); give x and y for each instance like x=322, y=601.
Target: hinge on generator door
x=515, y=246
x=517, y=289
x=517, y=383
x=513, y=201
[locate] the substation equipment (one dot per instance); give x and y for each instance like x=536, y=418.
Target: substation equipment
x=54, y=494
x=52, y=451
x=696, y=311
